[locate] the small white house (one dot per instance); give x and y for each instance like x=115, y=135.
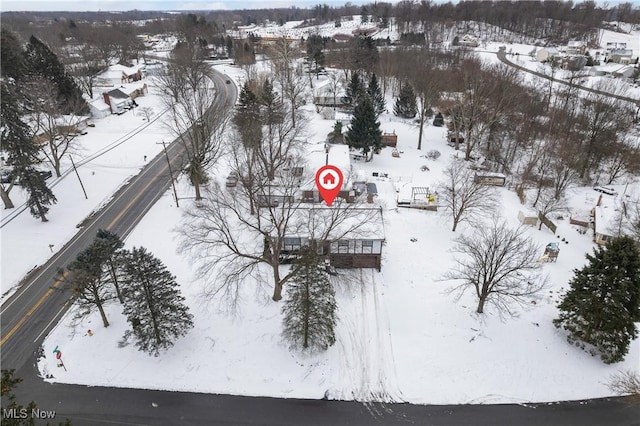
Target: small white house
x=621, y=56
x=547, y=54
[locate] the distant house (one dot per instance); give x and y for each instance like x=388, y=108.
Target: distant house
x=99, y=108
x=119, y=74
x=121, y=99
x=341, y=38
x=625, y=72
x=469, y=41
x=603, y=217
x=613, y=45
x=547, y=54
x=46, y=127
x=620, y=56
x=117, y=100
x=608, y=218
x=576, y=47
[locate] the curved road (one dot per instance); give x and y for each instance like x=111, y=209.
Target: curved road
x=502, y=56
x=34, y=309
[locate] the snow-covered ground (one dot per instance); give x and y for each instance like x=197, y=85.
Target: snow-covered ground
x=400, y=337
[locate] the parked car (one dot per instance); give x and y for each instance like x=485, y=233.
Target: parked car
x=7, y=176
x=605, y=190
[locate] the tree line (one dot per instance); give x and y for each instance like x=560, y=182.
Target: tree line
x=41, y=105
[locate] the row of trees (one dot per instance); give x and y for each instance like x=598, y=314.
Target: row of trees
x=105, y=272
x=41, y=104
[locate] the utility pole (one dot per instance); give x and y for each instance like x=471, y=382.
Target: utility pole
x=80, y=180
x=175, y=193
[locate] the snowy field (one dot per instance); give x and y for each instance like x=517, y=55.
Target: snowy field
x=400, y=337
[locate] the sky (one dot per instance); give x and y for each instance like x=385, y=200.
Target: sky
x=120, y=5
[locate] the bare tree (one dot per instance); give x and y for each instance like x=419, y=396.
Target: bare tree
x=548, y=203
x=188, y=92
x=146, y=112
x=86, y=70
x=54, y=131
x=605, y=118
x=234, y=233
x=288, y=70
x=464, y=198
x=499, y=264
x=625, y=383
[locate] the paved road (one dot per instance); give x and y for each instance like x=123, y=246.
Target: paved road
x=502, y=56
x=35, y=308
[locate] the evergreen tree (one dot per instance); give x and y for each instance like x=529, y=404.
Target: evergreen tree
x=11, y=55
x=364, y=132
x=109, y=248
x=355, y=90
x=40, y=196
x=315, y=55
x=11, y=413
x=376, y=95
x=247, y=116
x=153, y=303
x=310, y=307
x=602, y=304
x=336, y=136
x=271, y=105
x=406, y=106
x=90, y=289
x=43, y=63
x=22, y=153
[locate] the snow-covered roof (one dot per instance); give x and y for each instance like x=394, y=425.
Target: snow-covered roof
x=316, y=156
x=605, y=215
x=115, y=71
x=358, y=223
x=622, y=52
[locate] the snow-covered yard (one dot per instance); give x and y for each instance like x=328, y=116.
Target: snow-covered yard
x=400, y=337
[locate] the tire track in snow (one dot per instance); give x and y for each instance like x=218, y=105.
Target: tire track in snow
x=365, y=363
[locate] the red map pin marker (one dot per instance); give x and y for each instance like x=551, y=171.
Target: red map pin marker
x=329, y=182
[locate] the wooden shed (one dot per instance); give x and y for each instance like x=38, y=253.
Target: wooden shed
x=390, y=139
x=489, y=178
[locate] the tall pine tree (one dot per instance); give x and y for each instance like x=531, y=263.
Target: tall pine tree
x=364, y=132
x=247, y=116
x=40, y=196
x=11, y=55
x=602, y=304
x=406, y=106
x=23, y=154
x=43, y=63
x=375, y=94
x=355, y=90
x=153, y=303
x=108, y=245
x=310, y=307
x=90, y=289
